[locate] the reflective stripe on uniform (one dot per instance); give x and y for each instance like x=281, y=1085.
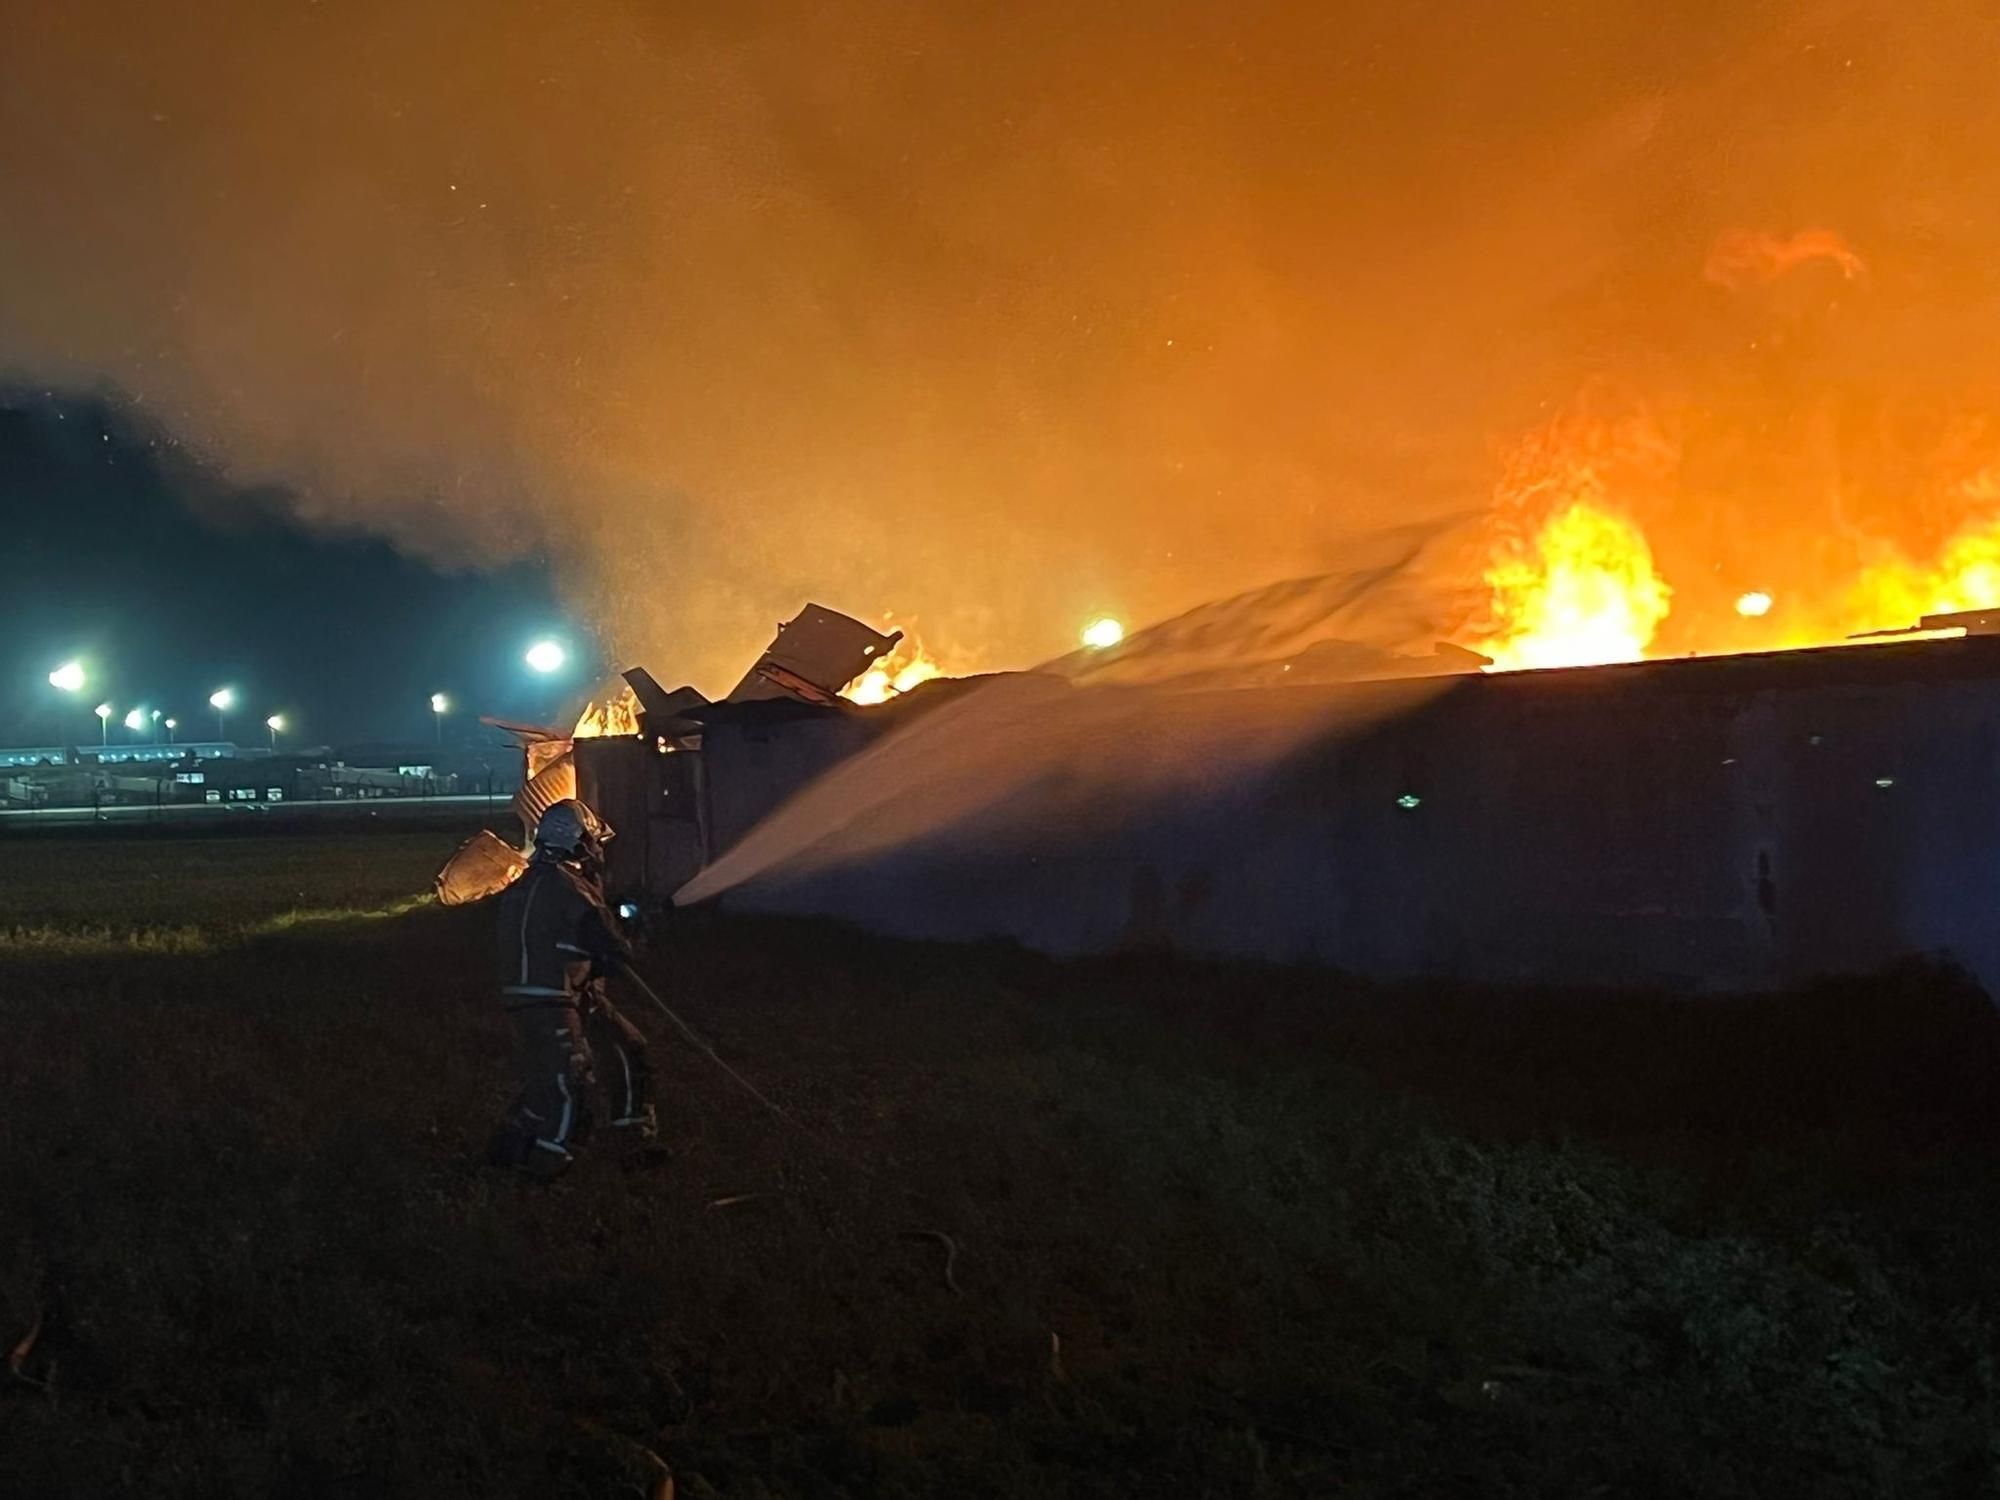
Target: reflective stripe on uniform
x=568, y=1109
x=533, y=895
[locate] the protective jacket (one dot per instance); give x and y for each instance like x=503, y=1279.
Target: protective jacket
x=555, y=936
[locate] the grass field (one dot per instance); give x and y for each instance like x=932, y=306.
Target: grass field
x=1119, y=1228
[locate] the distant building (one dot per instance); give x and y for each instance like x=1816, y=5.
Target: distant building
x=156, y=754
x=218, y=772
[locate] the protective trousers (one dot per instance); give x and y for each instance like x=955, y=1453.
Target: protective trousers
x=556, y=1047
x=627, y=1074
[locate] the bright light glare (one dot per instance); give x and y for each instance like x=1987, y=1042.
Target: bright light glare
x=103, y=710
x=438, y=703
x=222, y=700
x=1753, y=605
x=275, y=722
x=136, y=719
x=68, y=676
x=1103, y=632
x=173, y=723
x=546, y=656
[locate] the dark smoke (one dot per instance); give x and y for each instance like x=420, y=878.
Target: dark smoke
x=996, y=316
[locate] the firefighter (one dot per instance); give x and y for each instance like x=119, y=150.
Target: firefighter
x=558, y=943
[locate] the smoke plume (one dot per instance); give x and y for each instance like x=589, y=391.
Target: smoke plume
x=997, y=316
x=1741, y=258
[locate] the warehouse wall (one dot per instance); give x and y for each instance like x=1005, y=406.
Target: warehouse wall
x=752, y=765
x=1738, y=823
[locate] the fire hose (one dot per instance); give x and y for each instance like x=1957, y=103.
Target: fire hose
x=695, y=1040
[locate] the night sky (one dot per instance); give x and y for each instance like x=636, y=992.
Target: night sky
x=169, y=582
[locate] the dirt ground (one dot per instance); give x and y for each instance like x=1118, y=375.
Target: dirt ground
x=1118, y=1228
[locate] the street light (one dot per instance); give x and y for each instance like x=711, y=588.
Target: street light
x=1103, y=633
x=546, y=657
x=439, y=703
x=103, y=712
x=222, y=700
x=274, y=724
x=172, y=725
x=67, y=678
x=136, y=720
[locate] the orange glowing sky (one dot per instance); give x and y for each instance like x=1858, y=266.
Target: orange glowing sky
x=1004, y=317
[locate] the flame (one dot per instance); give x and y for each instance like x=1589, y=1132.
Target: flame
x=617, y=716
x=544, y=753
x=1582, y=590
x=1569, y=573
x=895, y=674
x=1965, y=576
x=1571, y=570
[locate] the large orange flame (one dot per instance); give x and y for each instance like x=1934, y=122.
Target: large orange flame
x=1573, y=579
x=1582, y=589
x=895, y=674
x=1570, y=577
x=1965, y=574
x=614, y=716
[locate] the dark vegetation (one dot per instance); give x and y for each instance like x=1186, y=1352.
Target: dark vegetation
x=1217, y=1231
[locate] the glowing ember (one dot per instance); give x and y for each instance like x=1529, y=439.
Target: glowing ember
x=1103, y=633
x=1582, y=590
x=1753, y=605
x=898, y=672
x=613, y=717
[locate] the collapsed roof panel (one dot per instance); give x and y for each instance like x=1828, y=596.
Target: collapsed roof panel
x=813, y=657
x=659, y=705
x=483, y=866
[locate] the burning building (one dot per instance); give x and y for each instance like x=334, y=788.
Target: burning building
x=1730, y=822
x=679, y=778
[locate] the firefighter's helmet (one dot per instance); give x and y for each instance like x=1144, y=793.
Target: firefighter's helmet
x=569, y=829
